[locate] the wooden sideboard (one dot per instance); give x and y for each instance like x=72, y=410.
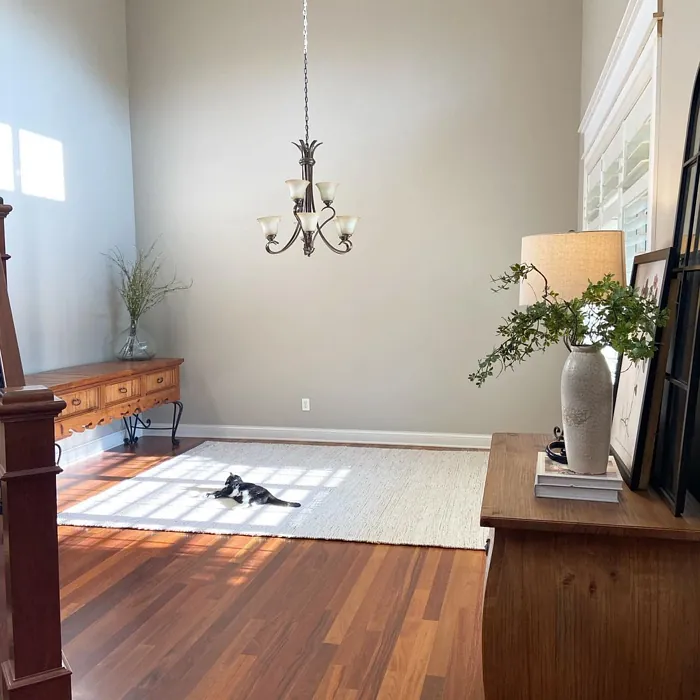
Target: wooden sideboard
x=97, y=394
x=585, y=601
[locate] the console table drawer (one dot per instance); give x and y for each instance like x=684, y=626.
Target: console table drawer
x=160, y=380
x=81, y=401
x=115, y=393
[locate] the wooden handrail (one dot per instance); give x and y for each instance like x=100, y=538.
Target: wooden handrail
x=5, y=209
x=33, y=665
x=10, y=359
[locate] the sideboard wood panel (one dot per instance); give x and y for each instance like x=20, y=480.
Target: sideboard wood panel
x=585, y=601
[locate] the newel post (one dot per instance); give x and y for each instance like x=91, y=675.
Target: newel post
x=36, y=669
x=33, y=666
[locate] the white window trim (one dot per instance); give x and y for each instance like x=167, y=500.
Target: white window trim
x=633, y=62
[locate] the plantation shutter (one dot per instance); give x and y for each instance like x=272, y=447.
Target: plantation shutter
x=618, y=190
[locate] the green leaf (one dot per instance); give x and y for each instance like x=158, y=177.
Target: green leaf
x=606, y=314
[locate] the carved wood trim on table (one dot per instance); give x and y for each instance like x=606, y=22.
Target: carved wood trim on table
x=585, y=601
x=97, y=394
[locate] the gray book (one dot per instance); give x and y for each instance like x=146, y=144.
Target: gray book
x=551, y=473
x=577, y=493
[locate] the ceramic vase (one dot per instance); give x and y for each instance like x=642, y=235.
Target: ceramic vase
x=586, y=401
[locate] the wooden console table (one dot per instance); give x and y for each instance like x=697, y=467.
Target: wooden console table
x=97, y=394
x=585, y=601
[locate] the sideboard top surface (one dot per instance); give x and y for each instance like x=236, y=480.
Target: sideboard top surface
x=509, y=500
x=71, y=378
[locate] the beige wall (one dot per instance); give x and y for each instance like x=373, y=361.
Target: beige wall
x=65, y=78
x=680, y=56
x=452, y=128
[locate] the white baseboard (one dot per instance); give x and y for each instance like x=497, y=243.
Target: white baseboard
x=370, y=437
x=92, y=448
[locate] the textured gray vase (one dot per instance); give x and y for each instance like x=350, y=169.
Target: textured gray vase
x=586, y=404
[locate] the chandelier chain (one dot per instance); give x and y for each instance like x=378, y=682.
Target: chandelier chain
x=306, y=69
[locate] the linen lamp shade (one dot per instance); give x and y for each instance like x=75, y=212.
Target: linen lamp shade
x=570, y=261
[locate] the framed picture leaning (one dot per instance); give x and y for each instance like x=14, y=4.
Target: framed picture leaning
x=639, y=386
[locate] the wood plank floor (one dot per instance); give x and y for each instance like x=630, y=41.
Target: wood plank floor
x=169, y=616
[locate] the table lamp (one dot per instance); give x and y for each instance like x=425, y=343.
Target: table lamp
x=570, y=261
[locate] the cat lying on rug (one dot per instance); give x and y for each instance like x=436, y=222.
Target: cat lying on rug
x=253, y=494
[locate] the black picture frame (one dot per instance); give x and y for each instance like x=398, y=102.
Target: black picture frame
x=636, y=469
x=676, y=473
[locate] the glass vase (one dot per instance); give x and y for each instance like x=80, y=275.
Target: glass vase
x=134, y=344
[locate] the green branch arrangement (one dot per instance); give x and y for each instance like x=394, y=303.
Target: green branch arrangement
x=139, y=287
x=606, y=314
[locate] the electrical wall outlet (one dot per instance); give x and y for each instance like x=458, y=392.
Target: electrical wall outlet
x=305, y=404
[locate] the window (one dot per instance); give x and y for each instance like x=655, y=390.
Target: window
x=619, y=184
x=618, y=131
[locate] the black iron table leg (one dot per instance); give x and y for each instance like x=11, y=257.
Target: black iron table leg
x=177, y=414
x=136, y=422
x=131, y=438
x=59, y=454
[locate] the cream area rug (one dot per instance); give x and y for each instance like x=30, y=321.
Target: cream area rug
x=392, y=496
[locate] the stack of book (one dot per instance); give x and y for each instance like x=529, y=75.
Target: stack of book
x=554, y=480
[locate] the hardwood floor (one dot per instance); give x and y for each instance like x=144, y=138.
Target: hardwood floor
x=169, y=616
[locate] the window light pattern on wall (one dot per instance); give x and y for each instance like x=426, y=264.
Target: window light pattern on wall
x=41, y=166
x=7, y=161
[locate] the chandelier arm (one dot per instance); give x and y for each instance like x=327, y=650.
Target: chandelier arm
x=295, y=235
x=344, y=242
x=330, y=218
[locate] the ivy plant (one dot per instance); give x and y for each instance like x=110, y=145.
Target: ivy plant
x=606, y=314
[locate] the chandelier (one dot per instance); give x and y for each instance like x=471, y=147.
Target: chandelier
x=308, y=221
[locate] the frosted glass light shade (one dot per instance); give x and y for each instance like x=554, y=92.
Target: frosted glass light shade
x=309, y=220
x=569, y=261
x=297, y=188
x=327, y=190
x=346, y=224
x=270, y=224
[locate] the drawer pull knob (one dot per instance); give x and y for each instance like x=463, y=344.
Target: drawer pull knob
x=160, y=380
x=76, y=402
x=122, y=390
